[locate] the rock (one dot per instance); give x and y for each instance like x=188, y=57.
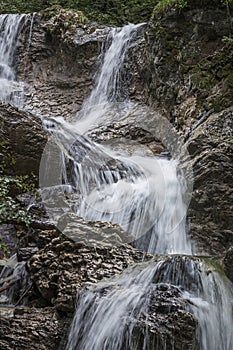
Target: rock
x=211, y=149
x=58, y=67
x=228, y=263
x=187, y=68
x=25, y=137
x=24, y=254
x=62, y=266
x=167, y=322
x=8, y=235
x=30, y=328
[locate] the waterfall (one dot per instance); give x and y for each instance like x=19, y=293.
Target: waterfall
x=107, y=313
x=111, y=82
x=11, y=90
x=15, y=277
x=142, y=193
x=145, y=196
x=212, y=305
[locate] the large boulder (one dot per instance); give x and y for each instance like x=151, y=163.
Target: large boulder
x=23, y=134
x=62, y=266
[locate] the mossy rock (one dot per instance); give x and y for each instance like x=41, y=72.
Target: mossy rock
x=164, y=5
x=62, y=22
x=215, y=71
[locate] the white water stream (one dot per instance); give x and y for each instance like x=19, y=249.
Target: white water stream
x=147, y=203
x=143, y=194
x=11, y=90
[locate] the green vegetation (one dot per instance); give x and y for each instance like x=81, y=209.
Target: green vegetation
x=164, y=4
x=10, y=187
x=62, y=21
x=107, y=11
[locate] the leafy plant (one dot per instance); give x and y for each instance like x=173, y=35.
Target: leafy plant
x=163, y=4
x=10, y=187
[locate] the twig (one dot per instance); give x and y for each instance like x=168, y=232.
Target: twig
x=23, y=295
x=3, y=280
x=8, y=285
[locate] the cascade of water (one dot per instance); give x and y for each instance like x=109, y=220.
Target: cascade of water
x=212, y=306
x=15, y=275
x=11, y=90
x=144, y=195
x=105, y=310
x=148, y=205
x=147, y=202
x=110, y=83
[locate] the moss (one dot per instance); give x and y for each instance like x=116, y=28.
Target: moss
x=214, y=264
x=215, y=70
x=230, y=80
x=164, y=5
x=63, y=21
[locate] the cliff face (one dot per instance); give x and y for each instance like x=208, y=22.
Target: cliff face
x=187, y=74
x=181, y=68
x=60, y=62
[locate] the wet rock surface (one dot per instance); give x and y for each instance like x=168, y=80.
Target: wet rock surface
x=228, y=263
x=32, y=328
x=24, y=135
x=63, y=266
x=167, y=322
x=210, y=146
x=58, y=67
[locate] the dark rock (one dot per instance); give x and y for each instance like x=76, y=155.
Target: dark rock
x=167, y=322
x=25, y=137
x=24, y=254
x=32, y=328
x=211, y=149
x=58, y=69
x=63, y=265
x=187, y=67
x=228, y=263
x=8, y=234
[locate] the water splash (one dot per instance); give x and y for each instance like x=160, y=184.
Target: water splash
x=15, y=275
x=145, y=195
x=111, y=81
x=11, y=90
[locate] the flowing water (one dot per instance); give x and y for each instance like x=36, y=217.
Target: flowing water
x=15, y=277
x=148, y=202
x=11, y=90
x=144, y=194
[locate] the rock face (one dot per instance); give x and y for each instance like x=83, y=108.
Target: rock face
x=187, y=72
x=32, y=328
x=167, y=322
x=183, y=69
x=60, y=63
x=187, y=65
x=228, y=263
x=211, y=216
x=26, y=139
x=63, y=266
